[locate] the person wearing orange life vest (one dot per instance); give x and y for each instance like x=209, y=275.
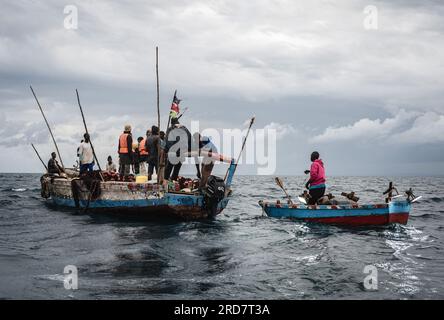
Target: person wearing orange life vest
x=125, y=151
x=143, y=154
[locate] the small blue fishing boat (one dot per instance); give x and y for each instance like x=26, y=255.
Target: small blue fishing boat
x=396, y=211
x=396, y=208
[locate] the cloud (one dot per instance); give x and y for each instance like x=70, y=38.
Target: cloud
x=282, y=130
x=427, y=128
x=255, y=50
x=296, y=65
x=405, y=127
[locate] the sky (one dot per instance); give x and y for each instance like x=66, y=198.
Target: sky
x=362, y=82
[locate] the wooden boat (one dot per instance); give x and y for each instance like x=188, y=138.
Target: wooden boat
x=396, y=211
x=141, y=199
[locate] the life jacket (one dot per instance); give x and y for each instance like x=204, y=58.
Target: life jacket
x=123, y=143
x=142, y=148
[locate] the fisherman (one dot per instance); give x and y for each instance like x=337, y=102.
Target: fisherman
x=143, y=154
x=110, y=165
x=152, y=145
x=125, y=151
x=174, y=162
x=53, y=165
x=136, y=155
x=78, y=148
x=86, y=155
x=162, y=140
x=316, y=183
x=206, y=145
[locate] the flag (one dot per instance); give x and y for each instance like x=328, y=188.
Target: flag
x=175, y=107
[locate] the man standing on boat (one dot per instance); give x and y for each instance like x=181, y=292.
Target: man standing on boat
x=152, y=146
x=173, y=137
x=86, y=155
x=316, y=183
x=143, y=154
x=53, y=165
x=125, y=151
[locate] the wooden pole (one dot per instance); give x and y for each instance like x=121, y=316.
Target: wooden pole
x=38, y=155
x=49, y=128
x=86, y=130
x=159, y=180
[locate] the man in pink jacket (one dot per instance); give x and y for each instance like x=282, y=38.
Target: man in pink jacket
x=316, y=183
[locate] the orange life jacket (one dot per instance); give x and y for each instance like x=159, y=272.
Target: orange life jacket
x=142, y=148
x=123, y=143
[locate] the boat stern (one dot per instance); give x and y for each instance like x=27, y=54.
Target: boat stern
x=399, y=211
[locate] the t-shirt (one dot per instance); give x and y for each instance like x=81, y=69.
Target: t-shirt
x=85, y=153
x=111, y=167
x=207, y=145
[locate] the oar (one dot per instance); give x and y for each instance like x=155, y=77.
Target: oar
x=281, y=185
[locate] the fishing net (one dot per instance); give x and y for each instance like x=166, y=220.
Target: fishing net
x=89, y=183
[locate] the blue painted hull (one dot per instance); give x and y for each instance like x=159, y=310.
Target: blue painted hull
x=134, y=199
x=378, y=214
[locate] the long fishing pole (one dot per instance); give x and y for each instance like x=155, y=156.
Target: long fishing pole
x=86, y=130
x=159, y=180
x=243, y=146
x=49, y=128
x=38, y=155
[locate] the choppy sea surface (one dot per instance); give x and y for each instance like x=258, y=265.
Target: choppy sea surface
x=239, y=255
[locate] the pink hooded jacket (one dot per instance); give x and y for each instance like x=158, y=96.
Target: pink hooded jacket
x=317, y=173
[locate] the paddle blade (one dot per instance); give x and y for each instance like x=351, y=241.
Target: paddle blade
x=279, y=182
x=416, y=199
x=302, y=200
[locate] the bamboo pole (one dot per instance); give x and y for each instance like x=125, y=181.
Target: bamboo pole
x=159, y=172
x=49, y=128
x=38, y=155
x=86, y=130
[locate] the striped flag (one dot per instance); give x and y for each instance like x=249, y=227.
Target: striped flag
x=175, y=107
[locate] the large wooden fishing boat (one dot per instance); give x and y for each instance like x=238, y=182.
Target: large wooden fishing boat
x=141, y=199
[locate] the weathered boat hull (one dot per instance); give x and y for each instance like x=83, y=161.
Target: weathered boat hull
x=352, y=215
x=140, y=199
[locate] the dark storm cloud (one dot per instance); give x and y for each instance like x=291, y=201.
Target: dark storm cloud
x=310, y=66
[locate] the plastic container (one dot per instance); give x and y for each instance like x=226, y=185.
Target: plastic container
x=141, y=179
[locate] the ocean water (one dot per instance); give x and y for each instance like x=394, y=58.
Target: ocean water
x=239, y=255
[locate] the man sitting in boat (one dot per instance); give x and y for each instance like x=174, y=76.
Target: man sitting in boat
x=316, y=183
x=53, y=165
x=110, y=165
x=125, y=151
